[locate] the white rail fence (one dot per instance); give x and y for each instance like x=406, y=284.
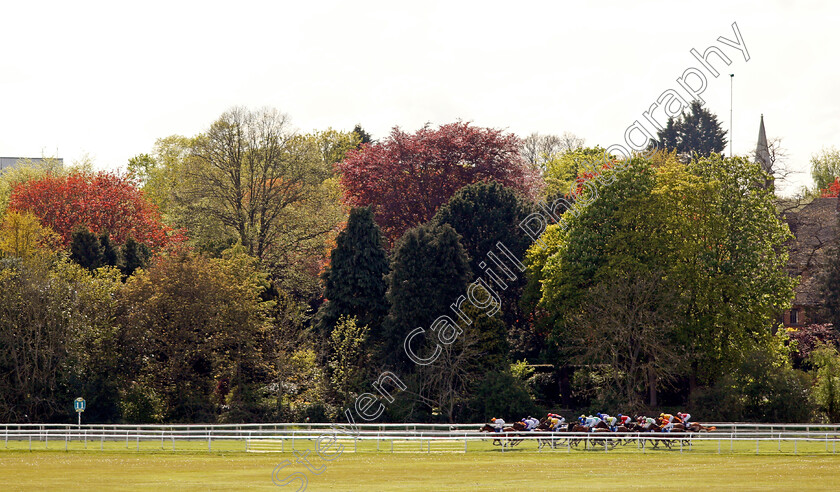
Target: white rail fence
x=427, y=438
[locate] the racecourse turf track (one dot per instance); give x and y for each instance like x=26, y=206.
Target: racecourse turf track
x=118, y=465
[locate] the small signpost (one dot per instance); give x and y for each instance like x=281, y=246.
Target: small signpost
x=79, y=405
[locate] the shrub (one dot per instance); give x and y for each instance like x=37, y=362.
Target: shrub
x=762, y=388
x=826, y=389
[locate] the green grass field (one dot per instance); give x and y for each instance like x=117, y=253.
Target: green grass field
x=482, y=468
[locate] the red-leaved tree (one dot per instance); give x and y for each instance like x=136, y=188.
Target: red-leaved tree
x=102, y=202
x=407, y=177
x=833, y=189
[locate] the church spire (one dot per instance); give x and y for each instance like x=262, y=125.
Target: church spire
x=762, y=152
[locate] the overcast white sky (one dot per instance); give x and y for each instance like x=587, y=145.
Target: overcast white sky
x=109, y=78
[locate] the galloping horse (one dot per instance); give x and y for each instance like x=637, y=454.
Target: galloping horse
x=507, y=433
x=492, y=430
x=698, y=427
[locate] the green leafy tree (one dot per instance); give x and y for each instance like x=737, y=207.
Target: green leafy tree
x=626, y=323
x=94, y=368
x=142, y=167
x=826, y=390
x=499, y=394
x=91, y=251
x=348, y=359
x=446, y=387
x=162, y=172
x=711, y=233
x=251, y=173
x=825, y=167
x=252, y=179
x=732, y=262
x=23, y=236
x=669, y=137
x=193, y=329
x=762, y=387
x=562, y=170
x=483, y=214
x=354, y=281
x=56, y=339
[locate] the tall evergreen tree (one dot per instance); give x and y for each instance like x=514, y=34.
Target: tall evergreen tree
x=110, y=255
x=354, y=283
x=364, y=137
x=86, y=249
x=485, y=214
x=696, y=132
x=669, y=137
x=134, y=255
x=429, y=271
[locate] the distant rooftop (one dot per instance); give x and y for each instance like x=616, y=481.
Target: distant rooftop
x=8, y=162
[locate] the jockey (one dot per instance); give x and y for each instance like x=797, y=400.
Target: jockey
x=582, y=419
x=648, y=421
x=611, y=421
x=498, y=423
x=532, y=423
x=591, y=421
x=623, y=419
x=684, y=417
x=667, y=420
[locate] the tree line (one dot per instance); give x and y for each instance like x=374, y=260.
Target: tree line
x=256, y=273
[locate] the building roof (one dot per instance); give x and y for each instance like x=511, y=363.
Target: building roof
x=815, y=229
x=762, y=150
x=8, y=162
x=762, y=154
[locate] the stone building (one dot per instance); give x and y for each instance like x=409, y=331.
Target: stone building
x=813, y=223
x=815, y=229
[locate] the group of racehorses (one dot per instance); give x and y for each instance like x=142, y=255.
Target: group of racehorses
x=639, y=423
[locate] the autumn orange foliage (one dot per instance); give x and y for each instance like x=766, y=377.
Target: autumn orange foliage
x=102, y=202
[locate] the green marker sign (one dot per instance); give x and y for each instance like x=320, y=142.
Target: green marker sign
x=79, y=405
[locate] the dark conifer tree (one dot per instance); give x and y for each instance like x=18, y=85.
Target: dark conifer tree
x=354, y=282
x=484, y=214
x=696, y=132
x=429, y=271
x=134, y=255
x=364, y=137
x=110, y=255
x=86, y=249
x=669, y=137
